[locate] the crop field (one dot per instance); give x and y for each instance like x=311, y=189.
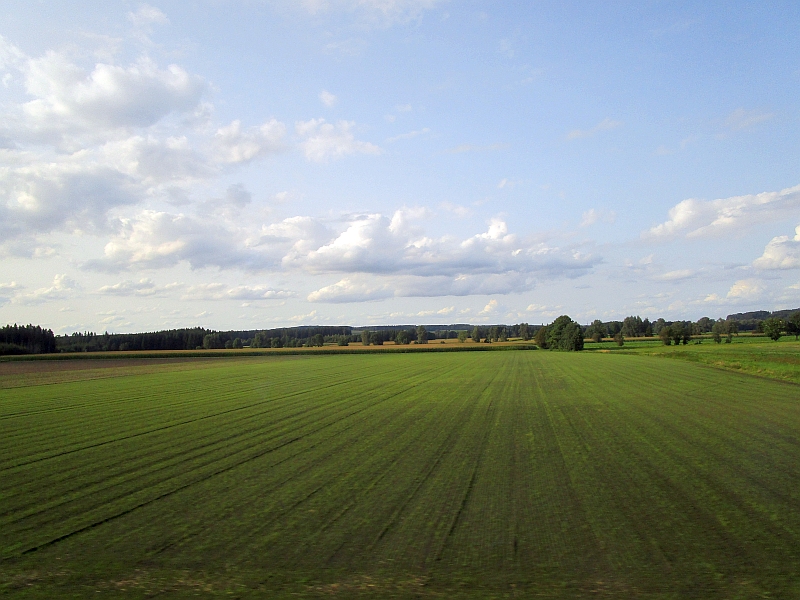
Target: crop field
x=419, y=475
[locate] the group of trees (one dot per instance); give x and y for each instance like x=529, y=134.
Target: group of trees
x=26, y=339
x=773, y=327
x=561, y=334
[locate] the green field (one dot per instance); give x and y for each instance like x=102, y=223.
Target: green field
x=421, y=475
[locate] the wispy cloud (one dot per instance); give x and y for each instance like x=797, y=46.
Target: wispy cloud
x=409, y=135
x=476, y=148
x=606, y=124
x=741, y=119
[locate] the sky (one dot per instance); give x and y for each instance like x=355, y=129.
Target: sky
x=243, y=164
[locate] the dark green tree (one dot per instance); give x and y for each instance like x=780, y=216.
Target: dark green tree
x=564, y=334
x=476, y=335
x=541, y=337
x=462, y=336
x=678, y=331
x=597, y=331
x=773, y=327
x=365, y=338
x=422, y=335
x=793, y=324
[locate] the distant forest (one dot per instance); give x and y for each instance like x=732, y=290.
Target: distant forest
x=30, y=339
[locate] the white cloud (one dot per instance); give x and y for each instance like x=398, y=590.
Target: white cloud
x=62, y=288
x=604, y=125
x=142, y=287
x=323, y=141
x=490, y=308
x=66, y=97
x=327, y=98
x=377, y=244
x=704, y=218
x=309, y=317
x=495, y=261
x=232, y=145
x=409, y=135
x=352, y=290
x=91, y=142
x=147, y=15
x=592, y=216
x=158, y=239
x=746, y=289
x=781, y=252
x=218, y=291
x=677, y=275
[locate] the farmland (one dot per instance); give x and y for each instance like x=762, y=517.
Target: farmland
x=432, y=475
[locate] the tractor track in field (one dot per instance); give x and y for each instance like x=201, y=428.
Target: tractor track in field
x=326, y=386
x=201, y=479
x=333, y=476
x=190, y=457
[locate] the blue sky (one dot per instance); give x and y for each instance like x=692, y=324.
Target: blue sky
x=266, y=163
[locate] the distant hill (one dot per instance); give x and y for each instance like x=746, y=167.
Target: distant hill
x=760, y=315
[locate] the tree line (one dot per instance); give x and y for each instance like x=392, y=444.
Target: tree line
x=26, y=339
x=562, y=334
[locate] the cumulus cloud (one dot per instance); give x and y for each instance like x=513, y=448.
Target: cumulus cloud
x=494, y=261
x=142, y=287
x=604, y=125
x=490, y=308
x=90, y=142
x=157, y=239
x=139, y=95
x=324, y=141
x=352, y=290
x=746, y=289
x=707, y=218
x=62, y=288
x=377, y=244
x=781, y=252
x=41, y=196
x=233, y=145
